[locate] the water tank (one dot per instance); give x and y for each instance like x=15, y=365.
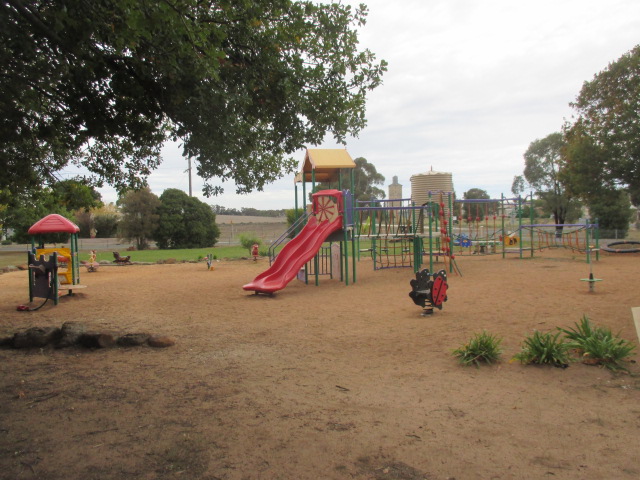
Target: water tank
x=434, y=182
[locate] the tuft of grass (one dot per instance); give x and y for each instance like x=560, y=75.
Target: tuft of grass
x=544, y=349
x=597, y=345
x=482, y=347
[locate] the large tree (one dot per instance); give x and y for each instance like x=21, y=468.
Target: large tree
x=25, y=208
x=544, y=163
x=365, y=179
x=612, y=210
x=608, y=115
x=76, y=194
x=607, y=201
x=20, y=210
x=471, y=211
x=139, y=216
x=242, y=85
x=184, y=222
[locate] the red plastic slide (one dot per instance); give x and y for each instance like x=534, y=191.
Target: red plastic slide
x=294, y=255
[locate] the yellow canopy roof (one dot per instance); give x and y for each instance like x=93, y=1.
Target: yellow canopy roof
x=325, y=163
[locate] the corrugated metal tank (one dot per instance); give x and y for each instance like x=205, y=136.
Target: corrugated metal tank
x=434, y=182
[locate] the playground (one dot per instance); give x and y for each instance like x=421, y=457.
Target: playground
x=331, y=381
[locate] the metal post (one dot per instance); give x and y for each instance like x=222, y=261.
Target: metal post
x=520, y=224
x=450, y=230
x=531, y=220
x=353, y=216
x=503, y=236
x=596, y=234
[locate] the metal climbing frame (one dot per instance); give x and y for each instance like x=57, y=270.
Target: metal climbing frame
x=399, y=234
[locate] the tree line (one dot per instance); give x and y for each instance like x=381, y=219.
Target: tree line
x=247, y=211
x=173, y=220
x=595, y=159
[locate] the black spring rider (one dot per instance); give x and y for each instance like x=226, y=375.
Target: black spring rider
x=429, y=292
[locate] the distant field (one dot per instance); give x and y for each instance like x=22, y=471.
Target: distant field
x=222, y=219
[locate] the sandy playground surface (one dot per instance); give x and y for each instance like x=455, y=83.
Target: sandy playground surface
x=327, y=382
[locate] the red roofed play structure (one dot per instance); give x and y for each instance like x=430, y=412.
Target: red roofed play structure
x=60, y=271
x=53, y=223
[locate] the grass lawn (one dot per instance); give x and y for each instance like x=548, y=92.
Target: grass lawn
x=152, y=256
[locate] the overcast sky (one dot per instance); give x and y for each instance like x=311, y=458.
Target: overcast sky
x=471, y=83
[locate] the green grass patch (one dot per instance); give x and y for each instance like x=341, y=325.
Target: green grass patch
x=184, y=254
x=150, y=256
x=12, y=258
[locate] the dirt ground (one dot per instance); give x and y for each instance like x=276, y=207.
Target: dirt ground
x=320, y=382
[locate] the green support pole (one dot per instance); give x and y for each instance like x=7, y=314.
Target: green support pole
x=588, y=250
x=353, y=216
x=504, y=234
x=417, y=248
x=374, y=240
x=430, y=233
x=304, y=194
x=315, y=258
x=295, y=211
x=342, y=247
x=520, y=224
x=596, y=234
x=531, y=221
x=30, y=274
x=304, y=208
x=450, y=230
x=75, y=260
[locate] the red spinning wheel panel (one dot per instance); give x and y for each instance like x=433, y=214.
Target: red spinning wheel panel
x=326, y=209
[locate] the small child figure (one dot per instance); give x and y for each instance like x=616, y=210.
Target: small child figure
x=254, y=251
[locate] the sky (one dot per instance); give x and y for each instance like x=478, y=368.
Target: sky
x=470, y=84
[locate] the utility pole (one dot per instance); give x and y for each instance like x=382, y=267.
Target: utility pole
x=189, y=158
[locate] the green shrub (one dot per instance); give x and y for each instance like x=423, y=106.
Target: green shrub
x=248, y=239
x=544, y=349
x=597, y=345
x=482, y=347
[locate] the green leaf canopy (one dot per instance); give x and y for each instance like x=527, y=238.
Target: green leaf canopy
x=104, y=83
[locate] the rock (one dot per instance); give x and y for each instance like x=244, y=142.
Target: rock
x=43, y=336
x=70, y=334
x=20, y=340
x=97, y=340
x=133, y=339
x=36, y=337
x=160, y=342
x=6, y=341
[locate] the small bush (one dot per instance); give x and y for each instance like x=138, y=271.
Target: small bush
x=248, y=239
x=544, y=349
x=578, y=335
x=483, y=347
x=597, y=345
